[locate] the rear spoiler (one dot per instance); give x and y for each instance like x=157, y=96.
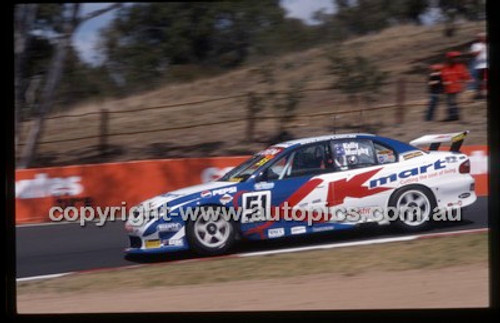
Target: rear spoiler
x=434, y=141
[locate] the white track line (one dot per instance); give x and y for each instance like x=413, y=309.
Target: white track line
x=278, y=251
x=34, y=225
x=452, y=233
x=327, y=246
x=19, y=280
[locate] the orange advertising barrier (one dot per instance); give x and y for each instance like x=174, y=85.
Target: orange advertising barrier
x=37, y=190
x=478, y=156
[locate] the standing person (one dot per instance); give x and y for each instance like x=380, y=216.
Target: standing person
x=479, y=51
x=453, y=74
x=435, y=87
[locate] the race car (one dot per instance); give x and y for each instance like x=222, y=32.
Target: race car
x=298, y=187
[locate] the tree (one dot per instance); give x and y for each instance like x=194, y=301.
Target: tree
x=145, y=40
x=356, y=76
x=285, y=103
x=65, y=22
x=452, y=9
x=255, y=104
x=24, y=20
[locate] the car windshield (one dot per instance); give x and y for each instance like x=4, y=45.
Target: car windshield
x=246, y=169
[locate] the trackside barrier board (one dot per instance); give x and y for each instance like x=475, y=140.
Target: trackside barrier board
x=110, y=184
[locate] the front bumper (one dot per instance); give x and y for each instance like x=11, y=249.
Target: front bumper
x=139, y=245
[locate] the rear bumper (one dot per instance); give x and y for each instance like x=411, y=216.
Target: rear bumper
x=457, y=194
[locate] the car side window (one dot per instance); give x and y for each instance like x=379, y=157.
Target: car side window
x=385, y=155
x=309, y=160
x=353, y=153
x=278, y=169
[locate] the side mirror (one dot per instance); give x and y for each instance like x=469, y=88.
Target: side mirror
x=262, y=177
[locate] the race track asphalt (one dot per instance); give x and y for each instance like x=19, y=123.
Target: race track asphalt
x=60, y=248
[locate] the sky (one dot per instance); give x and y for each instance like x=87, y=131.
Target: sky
x=86, y=37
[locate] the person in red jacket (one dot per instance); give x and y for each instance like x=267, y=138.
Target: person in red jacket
x=454, y=74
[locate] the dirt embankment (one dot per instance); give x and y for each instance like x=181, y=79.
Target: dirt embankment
x=452, y=287
x=400, y=50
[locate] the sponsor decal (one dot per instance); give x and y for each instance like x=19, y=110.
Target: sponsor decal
x=413, y=155
x=268, y=154
x=438, y=164
x=153, y=243
x=43, y=186
x=298, y=230
x=321, y=229
x=464, y=195
x=263, y=186
x=339, y=190
x=451, y=159
x=226, y=198
x=459, y=137
x=386, y=156
x=173, y=242
x=272, y=151
x=275, y=233
x=263, y=161
x=235, y=179
x=206, y=194
x=352, y=148
x=169, y=227
x=222, y=191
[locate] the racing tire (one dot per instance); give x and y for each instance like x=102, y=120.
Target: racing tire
x=209, y=237
x=413, y=198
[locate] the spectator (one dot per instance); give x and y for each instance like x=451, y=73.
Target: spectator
x=453, y=74
x=435, y=87
x=479, y=51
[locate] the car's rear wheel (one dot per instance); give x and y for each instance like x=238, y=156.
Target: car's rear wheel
x=415, y=205
x=210, y=235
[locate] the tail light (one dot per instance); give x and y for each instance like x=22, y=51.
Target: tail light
x=464, y=167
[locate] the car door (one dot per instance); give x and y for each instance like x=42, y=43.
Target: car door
x=356, y=161
x=291, y=182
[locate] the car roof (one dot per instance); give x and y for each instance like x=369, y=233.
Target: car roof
x=304, y=141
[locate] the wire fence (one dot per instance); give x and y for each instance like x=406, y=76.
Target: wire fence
x=103, y=132
x=210, y=100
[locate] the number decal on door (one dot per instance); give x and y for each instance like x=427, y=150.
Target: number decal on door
x=256, y=206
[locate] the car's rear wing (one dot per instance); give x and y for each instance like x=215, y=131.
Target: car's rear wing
x=434, y=141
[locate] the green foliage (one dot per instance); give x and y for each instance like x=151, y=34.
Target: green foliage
x=284, y=103
x=365, y=16
x=355, y=75
x=146, y=39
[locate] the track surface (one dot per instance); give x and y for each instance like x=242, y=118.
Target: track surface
x=59, y=248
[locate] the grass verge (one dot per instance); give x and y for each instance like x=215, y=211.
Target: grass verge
x=418, y=254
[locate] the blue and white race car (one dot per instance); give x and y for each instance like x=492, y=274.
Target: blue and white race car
x=326, y=183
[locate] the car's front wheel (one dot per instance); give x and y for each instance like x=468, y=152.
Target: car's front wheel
x=415, y=205
x=210, y=235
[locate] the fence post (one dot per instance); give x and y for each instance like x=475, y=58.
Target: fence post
x=103, y=132
x=400, y=100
